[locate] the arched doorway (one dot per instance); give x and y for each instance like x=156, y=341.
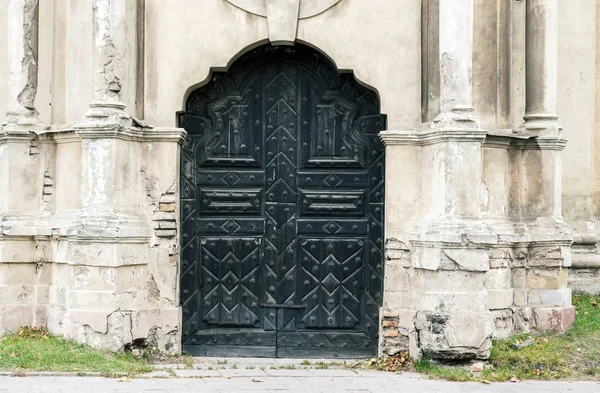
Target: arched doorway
x=282, y=197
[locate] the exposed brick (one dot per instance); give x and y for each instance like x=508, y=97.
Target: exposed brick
x=166, y=233
x=390, y=324
x=391, y=333
x=167, y=207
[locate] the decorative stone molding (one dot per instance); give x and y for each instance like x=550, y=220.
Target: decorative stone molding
x=159, y=134
x=308, y=8
x=417, y=138
x=283, y=15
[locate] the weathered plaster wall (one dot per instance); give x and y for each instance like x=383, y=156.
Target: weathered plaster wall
x=577, y=24
x=3, y=59
x=214, y=34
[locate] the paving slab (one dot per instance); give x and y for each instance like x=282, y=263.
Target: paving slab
x=383, y=382
x=196, y=373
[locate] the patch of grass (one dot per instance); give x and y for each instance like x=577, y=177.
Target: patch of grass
x=34, y=350
x=574, y=355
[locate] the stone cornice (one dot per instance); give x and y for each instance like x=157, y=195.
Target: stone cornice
x=11, y=136
x=159, y=134
x=431, y=136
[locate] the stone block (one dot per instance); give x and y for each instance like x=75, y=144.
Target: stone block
x=17, y=250
x=95, y=320
x=12, y=317
x=567, y=256
x=166, y=233
x=500, y=254
x=520, y=297
x=163, y=216
x=406, y=321
x=469, y=259
x=400, y=299
x=449, y=302
x=396, y=278
x=131, y=278
x=162, y=276
x=426, y=258
x=549, y=298
x=92, y=300
x=16, y=294
x=17, y=273
x=584, y=281
x=167, y=225
x=400, y=257
x=548, y=257
x=519, y=278
x=460, y=335
x=44, y=273
x=546, y=278
x=558, y=319
x=498, y=278
x=42, y=294
x=499, y=263
x=500, y=298
x=447, y=280
x=503, y=323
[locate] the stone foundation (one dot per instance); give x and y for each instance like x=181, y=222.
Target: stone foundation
x=455, y=300
x=108, y=279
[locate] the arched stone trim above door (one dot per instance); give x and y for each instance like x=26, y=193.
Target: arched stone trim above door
x=283, y=15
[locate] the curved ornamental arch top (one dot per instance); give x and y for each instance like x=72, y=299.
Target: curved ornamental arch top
x=307, y=8
x=282, y=188
x=282, y=15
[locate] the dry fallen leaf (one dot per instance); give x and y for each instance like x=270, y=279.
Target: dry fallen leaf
x=514, y=379
x=485, y=381
x=124, y=379
x=256, y=380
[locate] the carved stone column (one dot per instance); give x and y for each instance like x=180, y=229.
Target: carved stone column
x=542, y=66
x=109, y=43
x=448, y=53
x=22, y=31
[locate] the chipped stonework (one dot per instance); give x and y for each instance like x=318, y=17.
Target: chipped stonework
x=48, y=188
x=109, y=68
x=23, y=62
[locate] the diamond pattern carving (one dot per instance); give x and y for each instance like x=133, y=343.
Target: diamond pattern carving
x=231, y=226
x=332, y=227
x=332, y=180
x=231, y=178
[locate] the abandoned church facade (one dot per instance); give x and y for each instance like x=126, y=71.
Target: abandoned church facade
x=298, y=178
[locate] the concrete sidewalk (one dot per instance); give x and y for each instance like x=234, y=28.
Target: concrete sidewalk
x=279, y=380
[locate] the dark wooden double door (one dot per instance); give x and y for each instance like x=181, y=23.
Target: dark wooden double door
x=282, y=191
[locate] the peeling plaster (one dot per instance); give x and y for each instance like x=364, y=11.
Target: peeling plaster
x=109, y=68
x=98, y=153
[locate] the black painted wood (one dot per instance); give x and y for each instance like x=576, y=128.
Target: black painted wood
x=282, y=194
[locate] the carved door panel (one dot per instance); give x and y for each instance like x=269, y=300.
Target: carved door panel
x=281, y=210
